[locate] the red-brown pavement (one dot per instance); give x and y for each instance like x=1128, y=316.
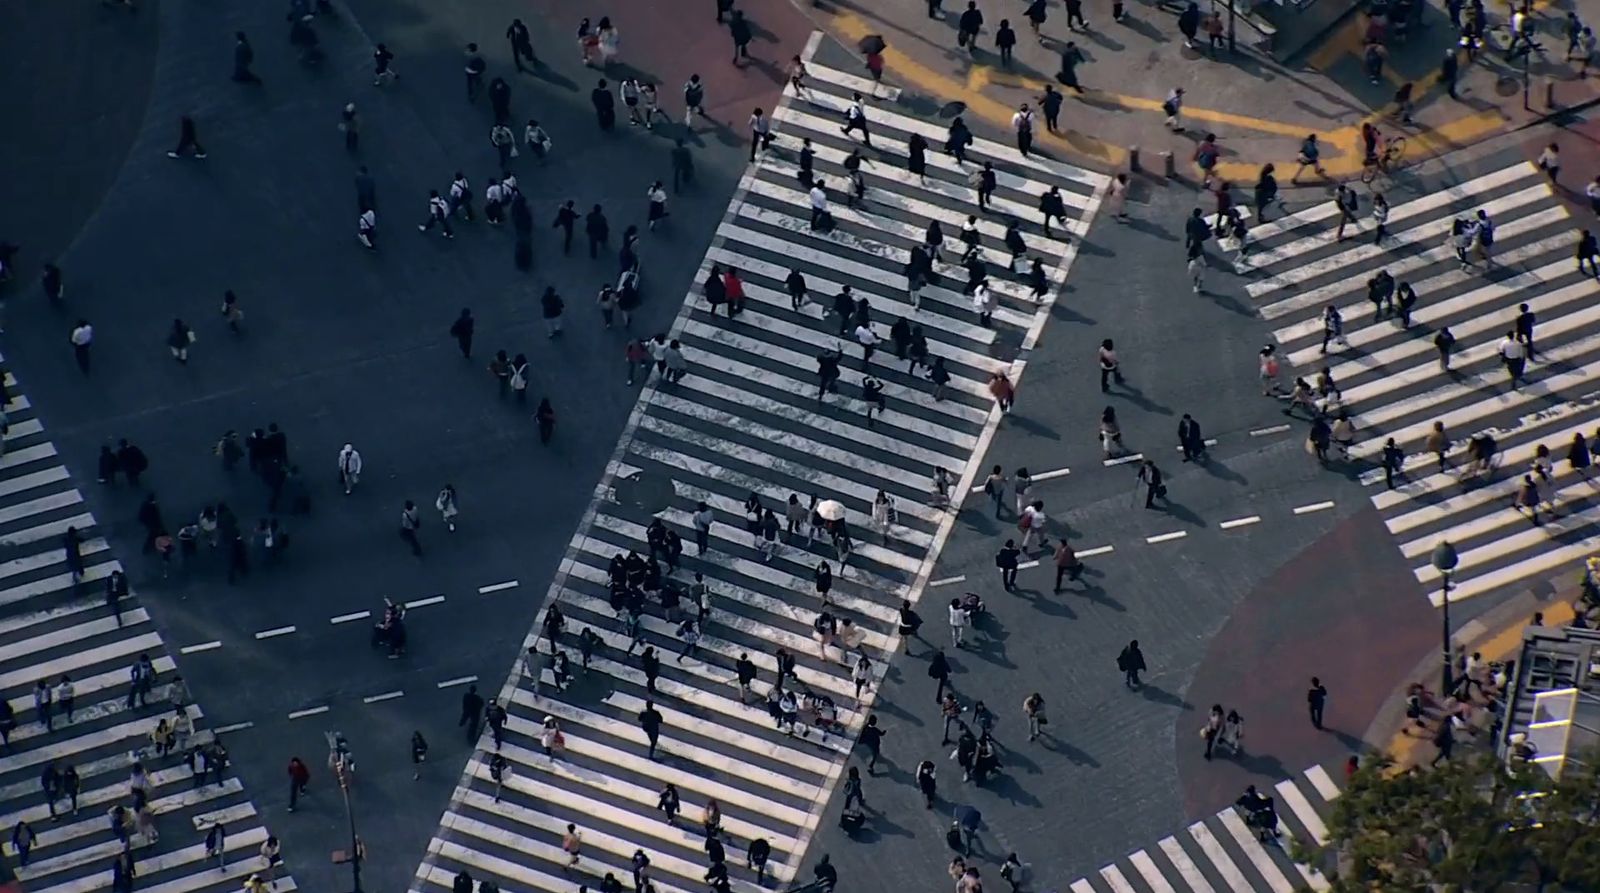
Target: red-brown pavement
x=1359, y=635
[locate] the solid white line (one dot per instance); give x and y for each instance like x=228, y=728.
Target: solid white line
x=1313, y=507
x=947, y=581
x=1263, y=432
x=1027, y=564
x=497, y=587
x=424, y=602
x=386, y=696
x=1165, y=537
x=1240, y=522
x=203, y=646
x=1209, y=441
x=1047, y=475
x=310, y=711
x=272, y=633
x=1097, y=550
x=233, y=727
x=346, y=618
x=1123, y=460
x=460, y=680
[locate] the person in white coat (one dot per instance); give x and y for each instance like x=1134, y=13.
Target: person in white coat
x=349, y=468
x=446, y=504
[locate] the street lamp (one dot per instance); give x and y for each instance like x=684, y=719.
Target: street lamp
x=1444, y=561
x=343, y=764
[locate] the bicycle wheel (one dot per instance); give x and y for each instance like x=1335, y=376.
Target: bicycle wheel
x=1368, y=172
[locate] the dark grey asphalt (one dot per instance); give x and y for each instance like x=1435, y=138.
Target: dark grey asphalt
x=339, y=345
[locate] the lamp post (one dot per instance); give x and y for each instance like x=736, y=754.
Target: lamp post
x=343, y=764
x=1444, y=561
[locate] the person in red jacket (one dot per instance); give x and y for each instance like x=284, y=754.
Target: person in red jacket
x=733, y=291
x=299, y=777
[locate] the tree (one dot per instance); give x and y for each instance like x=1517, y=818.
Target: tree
x=1471, y=825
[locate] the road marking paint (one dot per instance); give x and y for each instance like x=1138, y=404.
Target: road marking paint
x=1240, y=522
x=460, y=680
x=386, y=696
x=1210, y=442
x=1027, y=564
x=424, y=602
x=1313, y=507
x=947, y=581
x=1047, y=475
x=273, y=633
x=309, y=711
x=233, y=727
x=346, y=618
x=1166, y=537
x=203, y=646
x=1275, y=429
x=1123, y=460
x=1097, y=550
x=497, y=587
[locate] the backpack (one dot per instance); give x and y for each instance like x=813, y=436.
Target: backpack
x=1170, y=107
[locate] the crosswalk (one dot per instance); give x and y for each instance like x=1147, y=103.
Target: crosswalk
x=1222, y=854
x=747, y=420
x=52, y=630
x=1392, y=385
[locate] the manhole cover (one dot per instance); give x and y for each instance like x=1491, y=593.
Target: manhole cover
x=643, y=490
x=951, y=109
x=1506, y=86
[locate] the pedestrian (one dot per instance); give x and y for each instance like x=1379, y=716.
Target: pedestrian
x=598, y=229
x=968, y=26
x=1524, y=327
x=383, y=66
x=656, y=195
x=438, y=214
x=1004, y=40
x=1172, y=107
x=1316, y=699
x=187, y=139
x=1346, y=202
x=1067, y=564
x=1380, y=217
x=760, y=132
x=605, y=105
x=81, y=339
x=927, y=783
x=410, y=522
x=742, y=34
x=694, y=98
x=1190, y=439
x=550, y=308
x=521, y=46
x=1131, y=663
x=1438, y=444
x=1212, y=729
x=855, y=118
x=1033, y=709
x=1110, y=366
x=243, y=57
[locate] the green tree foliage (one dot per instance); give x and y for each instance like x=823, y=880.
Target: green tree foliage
x=1470, y=825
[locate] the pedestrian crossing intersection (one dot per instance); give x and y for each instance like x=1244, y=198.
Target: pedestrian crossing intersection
x=51, y=630
x=1390, y=380
x=748, y=420
x=1224, y=854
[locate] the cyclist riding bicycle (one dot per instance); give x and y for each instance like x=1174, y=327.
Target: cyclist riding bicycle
x=1371, y=142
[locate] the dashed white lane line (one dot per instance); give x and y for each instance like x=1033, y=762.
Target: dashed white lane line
x=1097, y=550
x=1027, y=564
x=460, y=680
x=1123, y=460
x=386, y=696
x=1036, y=478
x=424, y=602
x=274, y=633
x=234, y=727
x=346, y=618
x=1209, y=441
x=309, y=711
x=1166, y=537
x=1240, y=522
x=203, y=646
x=949, y=581
x=498, y=587
x=1263, y=432
x=1313, y=507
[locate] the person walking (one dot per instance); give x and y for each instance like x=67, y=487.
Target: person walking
x=1212, y=729
x=1150, y=476
x=462, y=330
x=1131, y=663
x=1033, y=709
x=349, y=467
x=598, y=229
x=521, y=46
x=855, y=118
x=445, y=502
x=656, y=195
x=81, y=339
x=760, y=133
x=410, y=522
x=1006, y=559
x=299, y=779
x=739, y=29
x=438, y=214
x=1190, y=439
x=1316, y=700
x=939, y=671
x=605, y=105
x=243, y=57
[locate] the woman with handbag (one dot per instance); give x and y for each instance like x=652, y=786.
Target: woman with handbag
x=1033, y=709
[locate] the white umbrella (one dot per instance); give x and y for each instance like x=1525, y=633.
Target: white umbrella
x=830, y=510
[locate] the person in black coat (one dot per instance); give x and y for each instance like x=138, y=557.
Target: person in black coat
x=605, y=105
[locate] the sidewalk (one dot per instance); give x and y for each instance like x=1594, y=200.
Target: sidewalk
x=1260, y=108
x=1496, y=636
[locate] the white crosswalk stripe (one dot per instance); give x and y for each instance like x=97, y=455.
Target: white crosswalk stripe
x=52, y=628
x=748, y=420
x=1225, y=852
x=1391, y=383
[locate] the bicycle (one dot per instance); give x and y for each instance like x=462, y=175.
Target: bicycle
x=1387, y=161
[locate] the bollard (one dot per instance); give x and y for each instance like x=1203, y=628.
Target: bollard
x=1169, y=165
x=1133, y=160
x=1550, y=93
